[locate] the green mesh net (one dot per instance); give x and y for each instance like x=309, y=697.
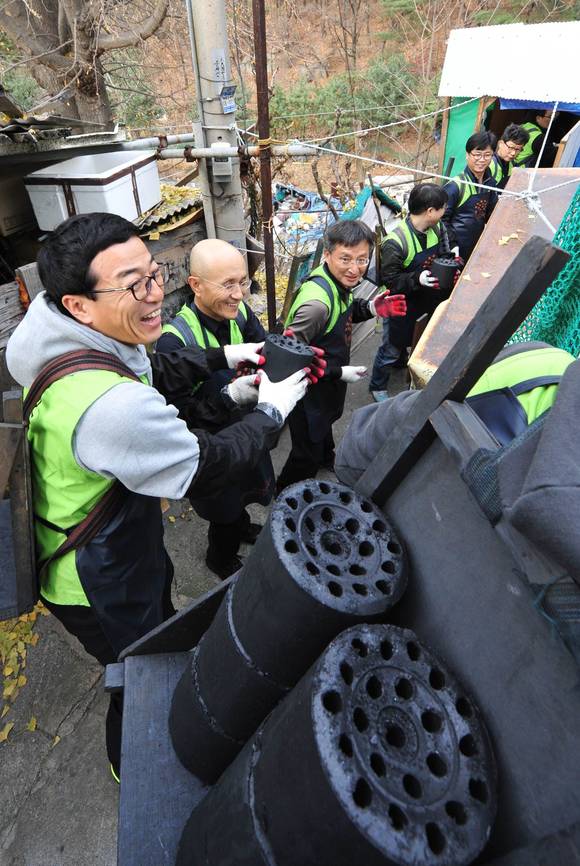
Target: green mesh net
x=556, y=317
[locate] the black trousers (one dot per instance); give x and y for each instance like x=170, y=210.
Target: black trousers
x=82, y=622
x=224, y=539
x=306, y=456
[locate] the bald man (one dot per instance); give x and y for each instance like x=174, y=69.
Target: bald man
x=218, y=316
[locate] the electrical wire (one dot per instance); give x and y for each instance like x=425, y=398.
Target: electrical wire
x=541, y=153
x=394, y=123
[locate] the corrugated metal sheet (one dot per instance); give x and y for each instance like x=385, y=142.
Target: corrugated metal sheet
x=516, y=61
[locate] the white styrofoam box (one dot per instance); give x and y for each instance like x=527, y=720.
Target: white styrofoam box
x=123, y=183
x=15, y=210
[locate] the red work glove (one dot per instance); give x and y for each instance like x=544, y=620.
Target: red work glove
x=387, y=306
x=317, y=366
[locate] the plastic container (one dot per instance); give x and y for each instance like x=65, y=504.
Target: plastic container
x=126, y=184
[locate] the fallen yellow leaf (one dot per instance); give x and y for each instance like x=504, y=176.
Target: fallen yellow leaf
x=21, y=681
x=485, y=274
x=171, y=518
x=5, y=731
x=466, y=277
x=31, y=726
x=9, y=689
x=34, y=639
x=503, y=241
x=56, y=741
x=8, y=671
x=4, y=711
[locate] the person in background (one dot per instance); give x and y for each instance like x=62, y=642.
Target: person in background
x=217, y=315
x=536, y=126
x=509, y=147
x=323, y=313
x=468, y=205
x=406, y=253
x=109, y=430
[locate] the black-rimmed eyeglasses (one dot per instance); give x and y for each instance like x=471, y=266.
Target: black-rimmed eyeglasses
x=141, y=288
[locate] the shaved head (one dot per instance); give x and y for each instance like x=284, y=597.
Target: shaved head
x=218, y=278
x=212, y=253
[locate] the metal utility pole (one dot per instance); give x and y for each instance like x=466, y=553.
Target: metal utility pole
x=259, y=16
x=217, y=119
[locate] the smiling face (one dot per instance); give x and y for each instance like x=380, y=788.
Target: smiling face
x=348, y=264
x=220, y=282
x=118, y=314
x=478, y=160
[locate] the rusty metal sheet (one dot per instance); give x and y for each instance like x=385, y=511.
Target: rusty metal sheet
x=488, y=262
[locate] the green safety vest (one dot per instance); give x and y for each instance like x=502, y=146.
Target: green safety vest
x=534, y=131
x=406, y=238
x=63, y=493
x=534, y=364
x=320, y=287
x=496, y=169
x=188, y=328
x=466, y=187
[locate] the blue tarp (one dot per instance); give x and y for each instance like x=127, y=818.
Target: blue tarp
x=504, y=104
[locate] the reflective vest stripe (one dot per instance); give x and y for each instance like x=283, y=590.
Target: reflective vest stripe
x=319, y=287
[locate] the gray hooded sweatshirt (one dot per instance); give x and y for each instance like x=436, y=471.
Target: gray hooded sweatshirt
x=119, y=435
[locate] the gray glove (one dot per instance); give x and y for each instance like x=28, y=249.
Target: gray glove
x=427, y=279
x=283, y=395
x=243, y=391
x=352, y=374
x=243, y=352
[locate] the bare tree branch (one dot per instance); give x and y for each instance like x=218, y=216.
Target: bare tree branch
x=131, y=37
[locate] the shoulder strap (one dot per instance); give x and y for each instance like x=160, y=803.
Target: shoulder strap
x=320, y=281
x=536, y=382
x=108, y=505
x=184, y=328
x=72, y=362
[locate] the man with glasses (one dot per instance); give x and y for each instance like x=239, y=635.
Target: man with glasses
x=217, y=316
x=469, y=205
x=323, y=313
x=508, y=149
x=407, y=252
x=108, y=429
x=536, y=126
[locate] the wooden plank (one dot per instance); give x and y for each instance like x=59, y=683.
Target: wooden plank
x=21, y=505
x=30, y=279
x=514, y=296
x=183, y=631
x=157, y=793
x=461, y=431
x=10, y=439
x=489, y=261
x=11, y=311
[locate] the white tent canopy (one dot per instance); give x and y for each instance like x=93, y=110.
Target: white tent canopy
x=537, y=62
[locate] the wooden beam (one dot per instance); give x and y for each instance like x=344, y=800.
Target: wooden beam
x=523, y=283
x=10, y=438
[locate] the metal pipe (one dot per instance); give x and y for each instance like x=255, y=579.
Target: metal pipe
x=259, y=16
x=229, y=150
x=158, y=141
x=203, y=175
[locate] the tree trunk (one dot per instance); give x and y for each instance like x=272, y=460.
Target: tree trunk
x=85, y=97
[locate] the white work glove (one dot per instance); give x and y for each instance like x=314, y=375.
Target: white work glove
x=454, y=252
x=427, y=279
x=244, y=352
x=352, y=374
x=283, y=395
x=243, y=391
